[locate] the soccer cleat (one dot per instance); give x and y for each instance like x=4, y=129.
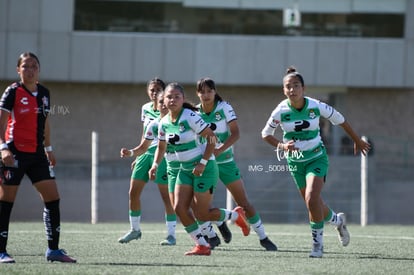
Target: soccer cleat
x=170, y=240
x=241, y=221
x=268, y=244
x=343, y=233
x=5, y=258
x=317, y=251
x=225, y=232
x=131, y=235
x=213, y=242
x=58, y=255
x=201, y=250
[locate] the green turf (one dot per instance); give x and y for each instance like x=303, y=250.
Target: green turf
x=372, y=250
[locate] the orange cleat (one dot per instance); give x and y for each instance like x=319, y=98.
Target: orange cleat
x=242, y=221
x=201, y=250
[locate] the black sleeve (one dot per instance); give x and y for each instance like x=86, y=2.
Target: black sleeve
x=7, y=99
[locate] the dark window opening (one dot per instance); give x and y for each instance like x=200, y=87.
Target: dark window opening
x=166, y=17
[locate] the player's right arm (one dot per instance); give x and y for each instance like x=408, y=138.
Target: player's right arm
x=137, y=151
x=146, y=141
x=6, y=105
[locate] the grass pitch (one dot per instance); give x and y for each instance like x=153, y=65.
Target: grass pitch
x=372, y=250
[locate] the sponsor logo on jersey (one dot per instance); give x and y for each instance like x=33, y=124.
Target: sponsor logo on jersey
x=232, y=114
x=24, y=110
x=286, y=117
x=24, y=101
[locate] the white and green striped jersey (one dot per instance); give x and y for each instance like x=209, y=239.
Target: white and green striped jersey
x=302, y=126
x=151, y=133
x=182, y=135
x=148, y=114
x=218, y=120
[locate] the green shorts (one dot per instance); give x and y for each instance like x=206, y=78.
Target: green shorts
x=204, y=183
x=172, y=171
x=228, y=172
x=143, y=164
x=301, y=170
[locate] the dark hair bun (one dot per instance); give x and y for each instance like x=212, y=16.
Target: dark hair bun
x=290, y=70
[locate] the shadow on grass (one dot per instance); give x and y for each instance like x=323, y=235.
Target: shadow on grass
x=367, y=256
x=157, y=264
x=379, y=257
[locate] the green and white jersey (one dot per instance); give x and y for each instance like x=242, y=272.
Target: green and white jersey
x=218, y=120
x=148, y=114
x=151, y=133
x=182, y=135
x=302, y=126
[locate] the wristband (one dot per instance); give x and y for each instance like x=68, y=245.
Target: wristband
x=154, y=164
x=4, y=146
x=131, y=153
x=49, y=148
x=203, y=161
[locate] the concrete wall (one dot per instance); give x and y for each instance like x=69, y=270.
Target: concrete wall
x=231, y=60
x=113, y=110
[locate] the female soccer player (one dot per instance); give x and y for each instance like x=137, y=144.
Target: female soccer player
x=223, y=121
x=179, y=133
x=307, y=159
x=26, y=149
x=144, y=154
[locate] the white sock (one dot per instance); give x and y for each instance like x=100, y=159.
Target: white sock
x=198, y=237
x=335, y=220
x=259, y=229
x=317, y=236
x=207, y=230
x=171, y=228
x=230, y=215
x=135, y=222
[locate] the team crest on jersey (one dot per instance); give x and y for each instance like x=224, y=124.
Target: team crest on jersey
x=218, y=116
x=7, y=174
x=181, y=127
x=45, y=101
x=312, y=114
